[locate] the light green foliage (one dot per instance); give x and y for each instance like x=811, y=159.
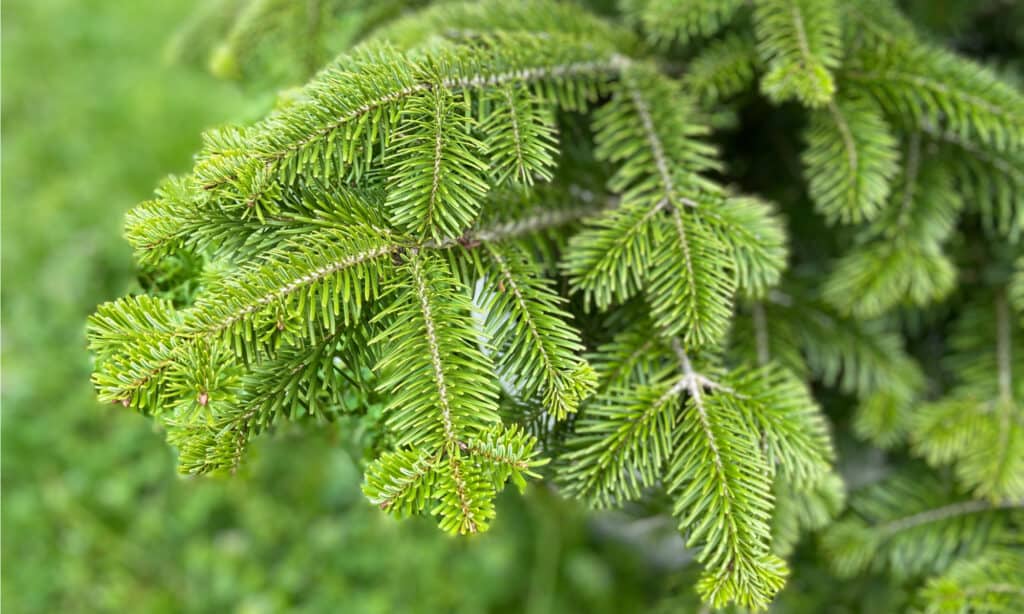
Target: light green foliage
x=850, y=160
x=539, y=351
x=713, y=453
x=496, y=234
x=931, y=86
x=799, y=42
x=528, y=149
x=723, y=69
x=435, y=175
x=673, y=232
x=979, y=425
x=902, y=259
x=987, y=583
x=94, y=517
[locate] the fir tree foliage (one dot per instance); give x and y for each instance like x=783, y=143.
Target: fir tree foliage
x=513, y=224
x=914, y=524
x=987, y=583
x=799, y=41
x=666, y=21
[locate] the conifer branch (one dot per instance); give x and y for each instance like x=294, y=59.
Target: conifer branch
x=408, y=228
x=799, y=41
x=946, y=512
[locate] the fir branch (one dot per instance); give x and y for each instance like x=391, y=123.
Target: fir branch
x=799, y=42
x=307, y=277
x=850, y=161
x=989, y=180
x=926, y=85
x=690, y=292
x=436, y=180
x=538, y=350
x=399, y=482
x=666, y=21
x=621, y=444
x=987, y=583
x=911, y=524
x=723, y=504
x=906, y=263
x=723, y=69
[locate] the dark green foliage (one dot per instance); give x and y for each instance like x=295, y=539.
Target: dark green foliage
x=913, y=524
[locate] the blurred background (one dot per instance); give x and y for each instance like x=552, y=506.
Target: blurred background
x=94, y=517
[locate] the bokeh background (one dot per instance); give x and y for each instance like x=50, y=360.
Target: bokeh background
x=94, y=519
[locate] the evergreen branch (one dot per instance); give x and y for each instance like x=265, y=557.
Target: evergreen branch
x=659, y=151
x=690, y=283
x=521, y=139
x=509, y=453
x=978, y=427
x=912, y=524
x=723, y=504
x=608, y=260
x=754, y=234
x=989, y=180
x=987, y=583
x=794, y=434
x=906, y=263
x=337, y=132
x=723, y=69
x=293, y=279
x=632, y=359
x=859, y=357
x=157, y=228
x=307, y=278
x=399, y=482
x=622, y=442
x=538, y=222
x=133, y=339
x=440, y=384
x=931, y=86
x=299, y=382
x=799, y=41
x=850, y=161
x=436, y=177
x=666, y=21
x=690, y=291
x=946, y=512
x=394, y=229
x=875, y=22
x=538, y=350
x=466, y=502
